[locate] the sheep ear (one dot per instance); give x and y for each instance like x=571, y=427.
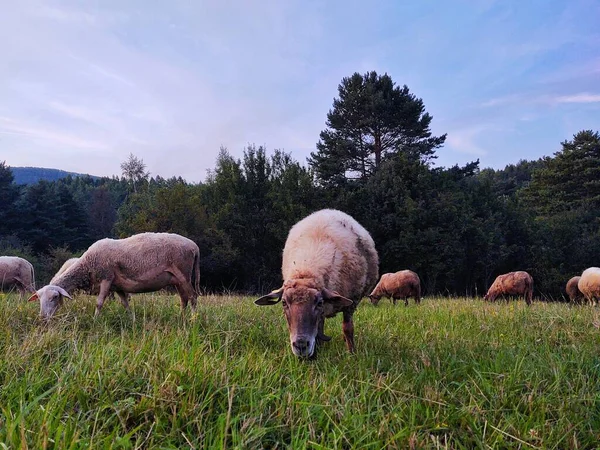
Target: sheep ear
x=62, y=292
x=335, y=299
x=34, y=297
x=267, y=300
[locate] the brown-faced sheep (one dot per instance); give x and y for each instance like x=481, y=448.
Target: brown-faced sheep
x=145, y=262
x=589, y=284
x=398, y=285
x=329, y=264
x=512, y=283
x=575, y=295
x=16, y=273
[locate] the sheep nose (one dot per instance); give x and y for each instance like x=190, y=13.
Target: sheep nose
x=301, y=346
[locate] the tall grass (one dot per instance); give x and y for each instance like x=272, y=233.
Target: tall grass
x=450, y=373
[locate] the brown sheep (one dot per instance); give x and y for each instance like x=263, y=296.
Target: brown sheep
x=589, y=284
x=329, y=264
x=575, y=295
x=512, y=283
x=399, y=285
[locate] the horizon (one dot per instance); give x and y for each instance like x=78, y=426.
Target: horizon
x=85, y=85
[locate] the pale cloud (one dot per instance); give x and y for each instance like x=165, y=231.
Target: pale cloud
x=48, y=136
x=578, y=98
x=464, y=140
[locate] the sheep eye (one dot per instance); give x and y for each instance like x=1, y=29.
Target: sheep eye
x=284, y=303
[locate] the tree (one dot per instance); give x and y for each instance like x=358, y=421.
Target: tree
x=9, y=193
x=371, y=120
x=134, y=170
x=101, y=213
x=570, y=179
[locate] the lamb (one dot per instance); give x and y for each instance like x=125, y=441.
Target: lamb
x=589, y=285
x=16, y=273
x=145, y=262
x=329, y=264
x=512, y=283
x=573, y=291
x=402, y=284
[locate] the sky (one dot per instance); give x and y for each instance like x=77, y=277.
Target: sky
x=85, y=83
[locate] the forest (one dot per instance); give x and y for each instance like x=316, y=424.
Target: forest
x=457, y=227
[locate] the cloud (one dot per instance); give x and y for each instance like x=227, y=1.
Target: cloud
x=48, y=136
x=464, y=140
x=578, y=98
x=541, y=99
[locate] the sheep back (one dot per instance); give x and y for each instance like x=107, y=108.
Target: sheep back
x=335, y=251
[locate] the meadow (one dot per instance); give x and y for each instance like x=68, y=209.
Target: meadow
x=450, y=373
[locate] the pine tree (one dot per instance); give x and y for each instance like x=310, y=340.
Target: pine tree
x=371, y=120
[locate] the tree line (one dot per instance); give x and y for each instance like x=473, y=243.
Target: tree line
x=457, y=227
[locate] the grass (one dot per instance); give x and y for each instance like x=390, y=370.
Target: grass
x=450, y=373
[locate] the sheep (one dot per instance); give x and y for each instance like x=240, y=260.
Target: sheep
x=512, y=283
x=145, y=262
x=329, y=264
x=16, y=273
x=573, y=291
x=124, y=297
x=402, y=284
x=589, y=285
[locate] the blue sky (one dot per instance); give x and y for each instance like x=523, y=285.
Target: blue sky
x=84, y=83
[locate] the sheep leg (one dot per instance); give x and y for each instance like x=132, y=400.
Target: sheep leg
x=185, y=290
x=104, y=291
x=405, y=301
x=348, y=329
x=186, y=293
x=124, y=299
x=321, y=333
x=394, y=299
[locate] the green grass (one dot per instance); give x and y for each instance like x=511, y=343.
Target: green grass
x=450, y=373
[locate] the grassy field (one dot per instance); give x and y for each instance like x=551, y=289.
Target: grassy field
x=450, y=373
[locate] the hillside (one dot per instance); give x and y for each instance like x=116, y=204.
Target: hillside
x=30, y=175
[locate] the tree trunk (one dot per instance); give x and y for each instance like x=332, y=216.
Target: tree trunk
x=377, y=150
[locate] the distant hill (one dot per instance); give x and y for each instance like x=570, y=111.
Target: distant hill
x=31, y=175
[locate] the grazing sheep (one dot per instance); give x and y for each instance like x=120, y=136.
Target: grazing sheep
x=573, y=291
x=329, y=264
x=16, y=273
x=589, y=284
x=402, y=284
x=145, y=262
x=512, y=283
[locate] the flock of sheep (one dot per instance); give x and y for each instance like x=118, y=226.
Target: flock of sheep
x=329, y=264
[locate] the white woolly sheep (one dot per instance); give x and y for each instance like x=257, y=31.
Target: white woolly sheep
x=329, y=264
x=589, y=284
x=16, y=273
x=145, y=262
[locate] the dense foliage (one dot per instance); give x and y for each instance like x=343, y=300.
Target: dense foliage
x=457, y=227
